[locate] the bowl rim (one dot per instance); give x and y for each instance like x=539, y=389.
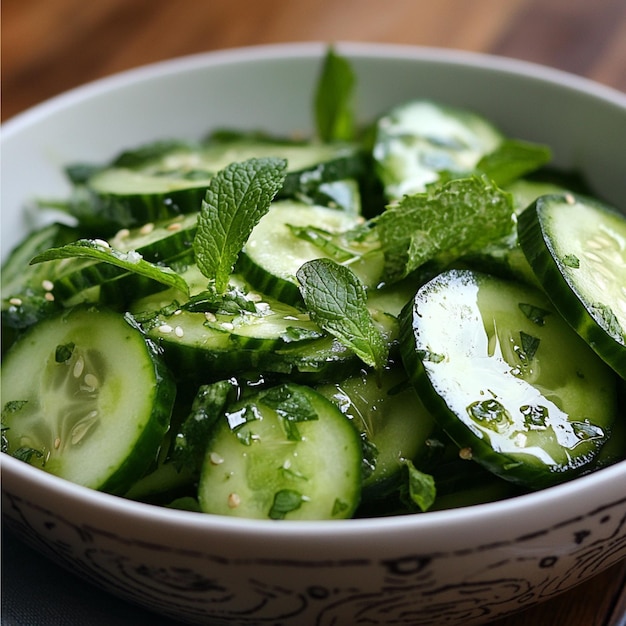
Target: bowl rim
x=460, y=517
x=263, y=52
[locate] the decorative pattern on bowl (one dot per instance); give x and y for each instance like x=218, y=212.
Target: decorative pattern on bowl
x=491, y=579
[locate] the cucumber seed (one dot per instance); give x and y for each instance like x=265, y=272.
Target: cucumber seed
x=91, y=382
x=83, y=427
x=79, y=366
x=215, y=458
x=47, y=285
x=146, y=229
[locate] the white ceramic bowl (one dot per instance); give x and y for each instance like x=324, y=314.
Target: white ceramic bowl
x=465, y=566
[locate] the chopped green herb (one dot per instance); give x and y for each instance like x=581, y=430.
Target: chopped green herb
x=529, y=345
x=292, y=406
x=63, y=353
x=422, y=489
x=571, y=260
x=207, y=408
x=325, y=241
x=232, y=301
x=285, y=501
x=535, y=314
x=609, y=321
x=26, y=454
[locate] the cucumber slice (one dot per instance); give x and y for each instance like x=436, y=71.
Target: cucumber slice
x=389, y=415
x=577, y=248
x=267, y=335
x=417, y=140
x=17, y=274
x=273, y=253
x=507, y=378
x=151, y=185
x=286, y=453
x=26, y=289
x=71, y=403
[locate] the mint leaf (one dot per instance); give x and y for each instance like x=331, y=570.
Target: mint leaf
x=513, y=159
x=337, y=301
x=237, y=197
x=292, y=405
x=530, y=344
x=422, y=489
x=333, y=99
x=448, y=220
x=100, y=250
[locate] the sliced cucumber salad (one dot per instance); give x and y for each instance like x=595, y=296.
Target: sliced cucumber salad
x=417, y=315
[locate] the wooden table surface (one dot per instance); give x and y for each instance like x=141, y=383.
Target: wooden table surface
x=49, y=46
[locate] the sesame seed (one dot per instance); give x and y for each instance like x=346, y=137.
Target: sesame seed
x=165, y=328
x=179, y=332
x=174, y=226
x=57, y=443
x=233, y=500
x=210, y=316
x=569, y=198
x=146, y=229
x=123, y=233
x=215, y=458
x=132, y=256
x=47, y=285
x=466, y=454
x=15, y=301
x=49, y=296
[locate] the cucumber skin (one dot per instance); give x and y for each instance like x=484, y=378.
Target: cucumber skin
x=148, y=445
x=532, y=238
x=105, y=214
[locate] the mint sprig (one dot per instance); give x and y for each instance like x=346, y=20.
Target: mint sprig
x=446, y=221
x=337, y=301
x=237, y=198
x=100, y=250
